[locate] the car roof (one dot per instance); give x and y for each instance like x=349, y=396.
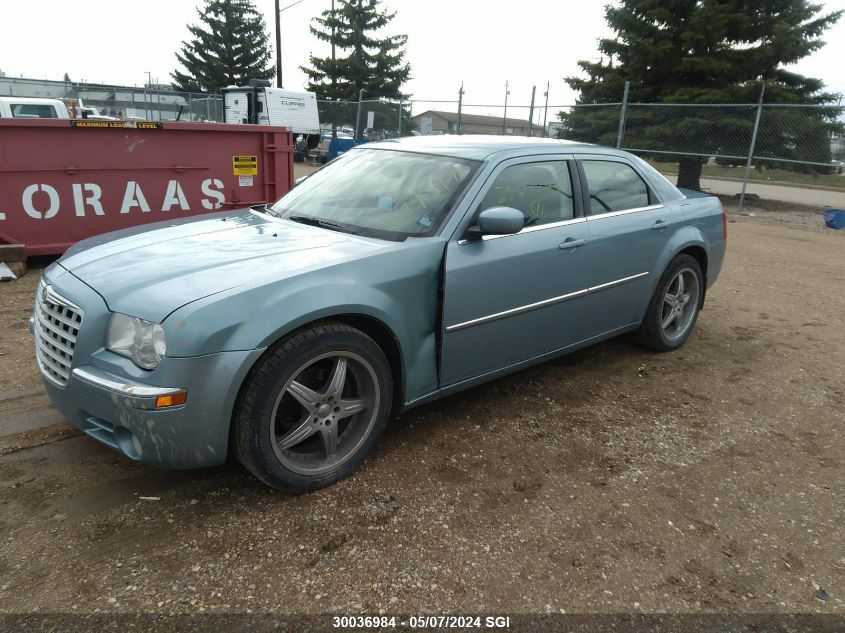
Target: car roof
x=481, y=147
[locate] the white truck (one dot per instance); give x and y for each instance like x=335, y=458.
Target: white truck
x=260, y=104
x=94, y=114
x=33, y=108
x=44, y=108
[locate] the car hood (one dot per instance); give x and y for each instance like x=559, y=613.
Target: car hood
x=150, y=273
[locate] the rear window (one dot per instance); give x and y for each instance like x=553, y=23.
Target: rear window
x=614, y=187
x=33, y=111
x=665, y=189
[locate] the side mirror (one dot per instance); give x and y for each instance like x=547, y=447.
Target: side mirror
x=299, y=180
x=498, y=221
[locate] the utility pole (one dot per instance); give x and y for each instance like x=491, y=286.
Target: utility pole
x=278, y=45
x=334, y=110
x=546, y=110
x=332, y=34
x=505, y=117
x=531, y=112
x=279, y=37
x=459, y=125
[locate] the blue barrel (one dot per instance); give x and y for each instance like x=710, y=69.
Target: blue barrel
x=834, y=218
x=340, y=145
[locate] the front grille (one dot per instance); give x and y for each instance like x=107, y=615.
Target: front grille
x=57, y=322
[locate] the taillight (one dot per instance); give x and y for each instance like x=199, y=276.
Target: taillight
x=724, y=223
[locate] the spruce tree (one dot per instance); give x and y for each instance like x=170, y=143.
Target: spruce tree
x=705, y=51
x=229, y=46
x=360, y=61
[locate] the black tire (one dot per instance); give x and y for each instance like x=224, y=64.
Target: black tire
x=651, y=333
x=260, y=440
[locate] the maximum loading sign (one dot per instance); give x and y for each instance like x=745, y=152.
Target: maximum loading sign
x=245, y=165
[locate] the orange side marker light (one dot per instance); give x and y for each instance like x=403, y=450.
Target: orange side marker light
x=172, y=400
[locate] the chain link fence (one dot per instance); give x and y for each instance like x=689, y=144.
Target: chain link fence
x=783, y=144
x=132, y=103
x=374, y=119
x=786, y=145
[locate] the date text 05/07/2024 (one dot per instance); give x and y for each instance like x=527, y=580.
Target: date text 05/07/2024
x=421, y=621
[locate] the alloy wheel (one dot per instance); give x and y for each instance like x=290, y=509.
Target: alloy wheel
x=680, y=304
x=324, y=412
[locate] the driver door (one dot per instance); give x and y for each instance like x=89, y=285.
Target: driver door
x=511, y=298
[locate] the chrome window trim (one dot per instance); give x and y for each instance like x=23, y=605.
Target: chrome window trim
x=610, y=214
x=568, y=157
x=529, y=229
x=625, y=160
x=542, y=304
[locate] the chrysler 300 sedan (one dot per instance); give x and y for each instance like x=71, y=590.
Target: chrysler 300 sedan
x=287, y=334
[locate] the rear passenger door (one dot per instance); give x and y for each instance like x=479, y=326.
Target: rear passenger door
x=628, y=228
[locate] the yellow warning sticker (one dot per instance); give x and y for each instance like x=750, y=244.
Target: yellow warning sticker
x=245, y=165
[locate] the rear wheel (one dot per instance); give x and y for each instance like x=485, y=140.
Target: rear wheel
x=674, y=308
x=314, y=408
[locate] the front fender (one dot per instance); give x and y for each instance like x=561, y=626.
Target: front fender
x=398, y=288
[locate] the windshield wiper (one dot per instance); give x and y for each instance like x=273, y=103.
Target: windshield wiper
x=265, y=208
x=312, y=221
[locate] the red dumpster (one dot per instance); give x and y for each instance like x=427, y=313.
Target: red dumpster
x=62, y=181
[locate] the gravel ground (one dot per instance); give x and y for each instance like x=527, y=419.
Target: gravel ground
x=612, y=480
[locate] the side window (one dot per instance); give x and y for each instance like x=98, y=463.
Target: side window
x=542, y=191
x=614, y=187
x=33, y=111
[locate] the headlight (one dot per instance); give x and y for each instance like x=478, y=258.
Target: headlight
x=140, y=341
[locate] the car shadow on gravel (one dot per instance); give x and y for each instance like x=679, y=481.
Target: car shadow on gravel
x=518, y=410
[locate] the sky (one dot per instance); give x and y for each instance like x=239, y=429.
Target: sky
x=482, y=43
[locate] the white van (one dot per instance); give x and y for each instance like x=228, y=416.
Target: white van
x=32, y=108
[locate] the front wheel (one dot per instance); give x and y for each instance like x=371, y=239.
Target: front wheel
x=674, y=307
x=314, y=408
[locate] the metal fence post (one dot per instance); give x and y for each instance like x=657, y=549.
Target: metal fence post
x=751, y=149
x=623, y=114
x=358, y=131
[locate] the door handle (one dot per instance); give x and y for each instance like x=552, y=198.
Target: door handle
x=572, y=242
x=660, y=224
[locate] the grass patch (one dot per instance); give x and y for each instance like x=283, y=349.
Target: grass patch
x=760, y=175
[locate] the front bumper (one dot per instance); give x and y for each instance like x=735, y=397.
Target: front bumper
x=113, y=401
x=121, y=413
x=133, y=394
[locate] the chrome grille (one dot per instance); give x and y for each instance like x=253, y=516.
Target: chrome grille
x=57, y=322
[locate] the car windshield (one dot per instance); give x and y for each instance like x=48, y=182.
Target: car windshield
x=379, y=193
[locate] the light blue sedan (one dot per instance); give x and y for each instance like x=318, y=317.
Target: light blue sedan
x=404, y=271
